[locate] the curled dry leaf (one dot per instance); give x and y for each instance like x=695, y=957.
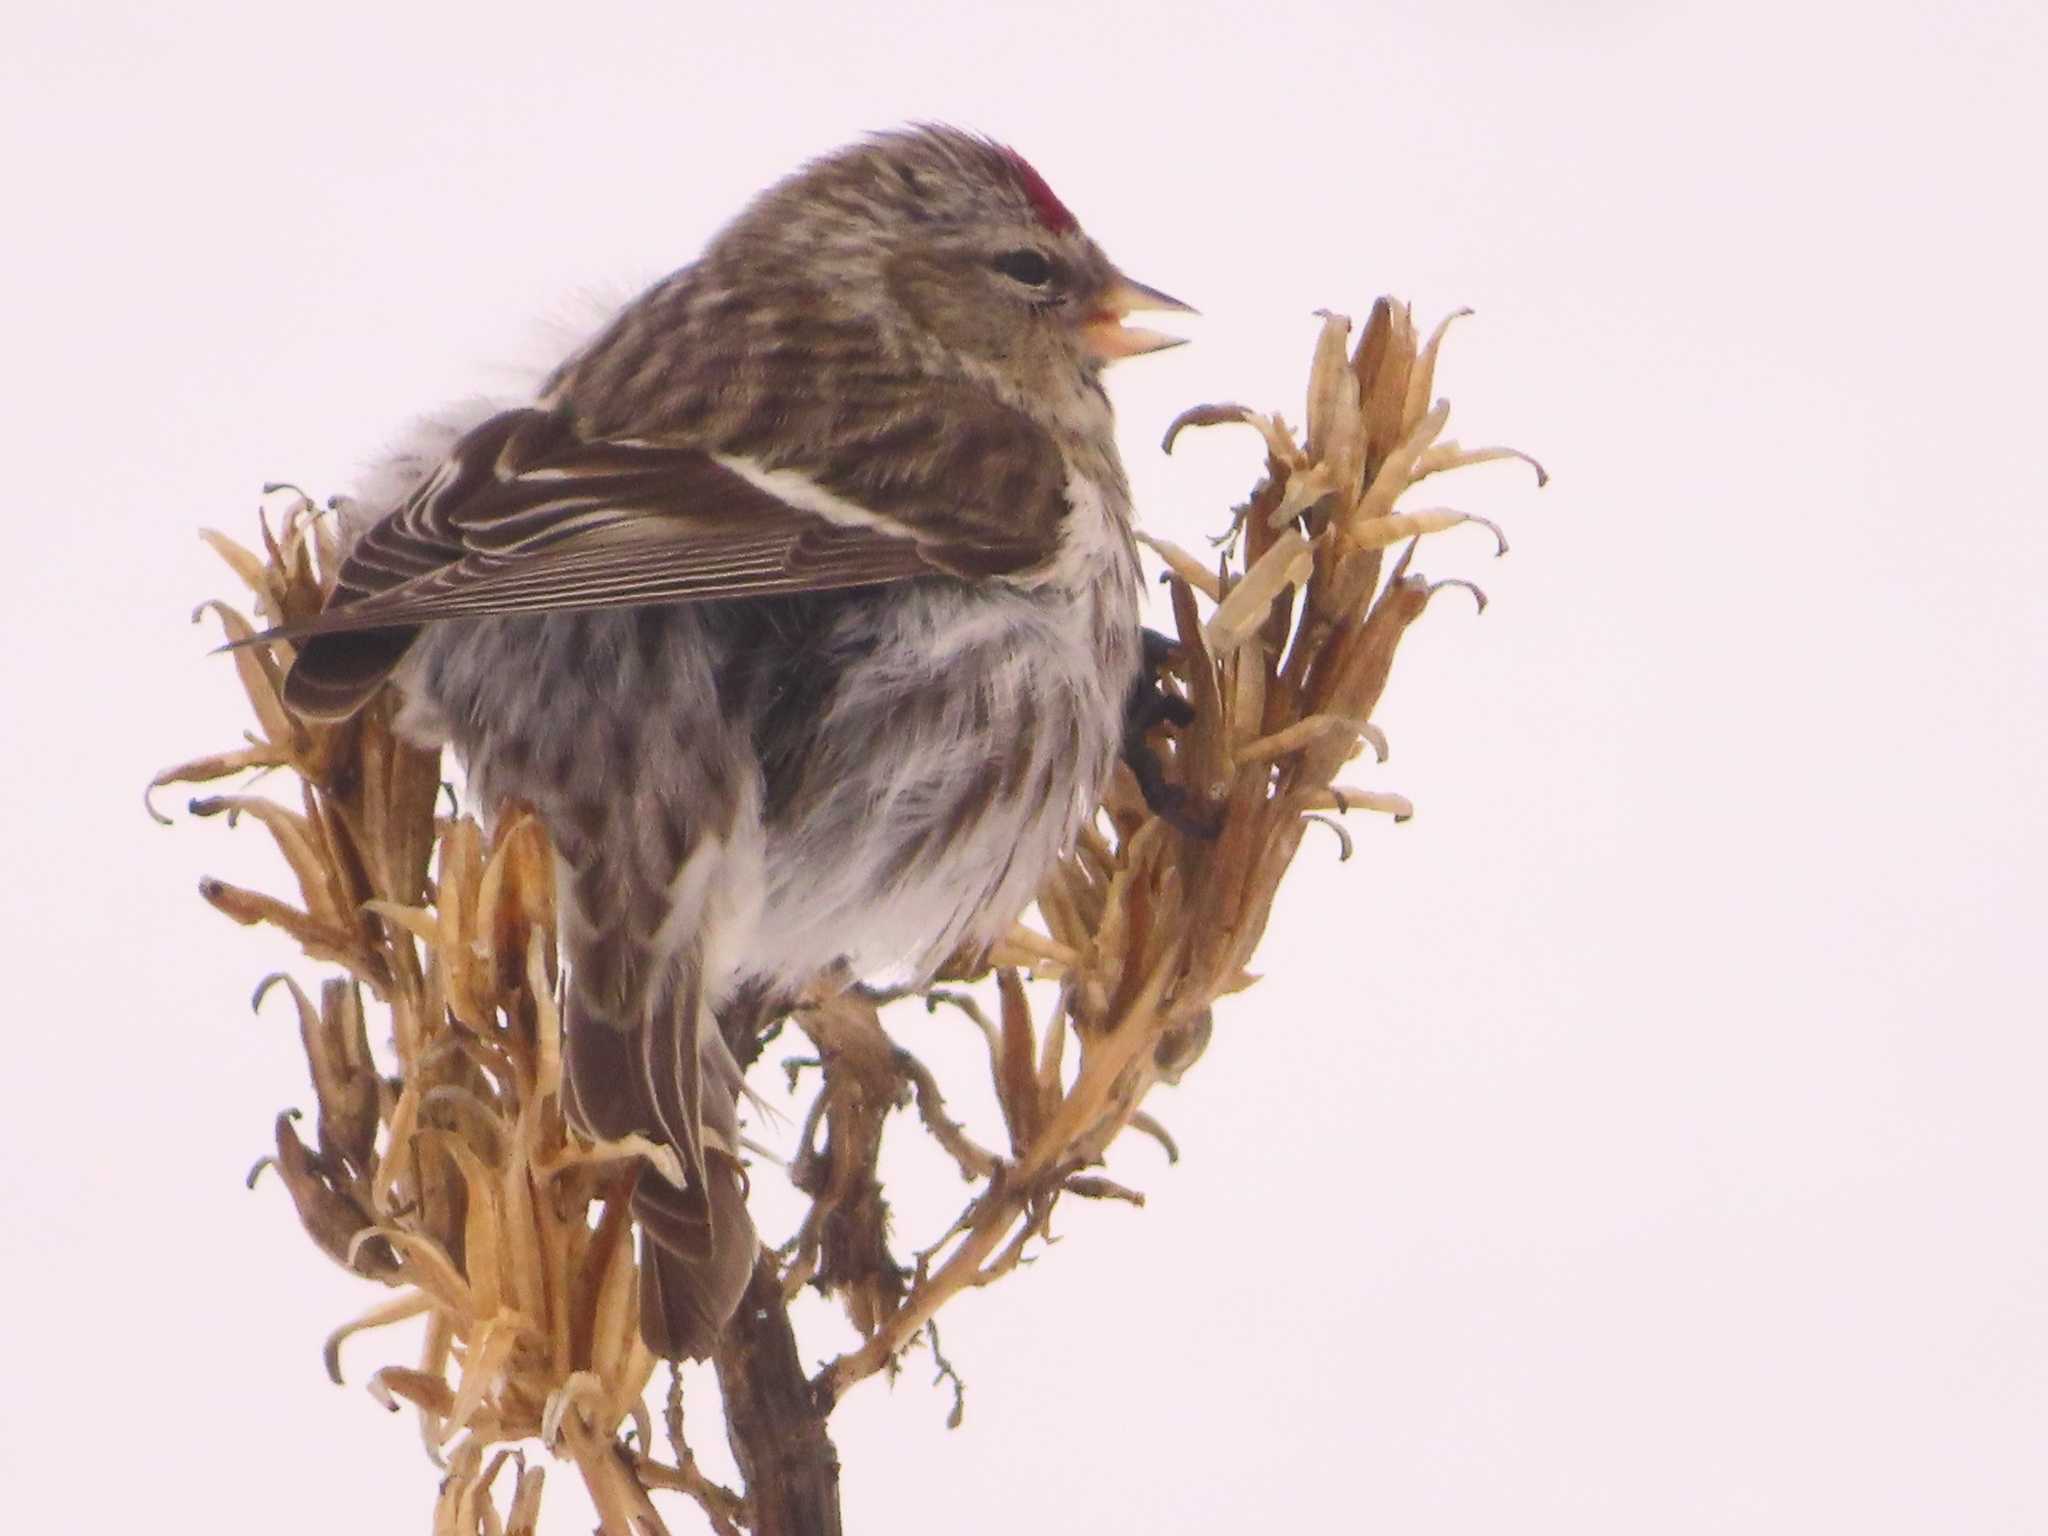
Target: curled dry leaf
x=448, y=1173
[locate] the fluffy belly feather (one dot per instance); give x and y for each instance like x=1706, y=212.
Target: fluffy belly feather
x=948, y=769
x=874, y=777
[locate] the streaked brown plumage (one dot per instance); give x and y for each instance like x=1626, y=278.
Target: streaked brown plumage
x=802, y=606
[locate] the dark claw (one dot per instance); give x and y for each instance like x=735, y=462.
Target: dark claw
x=1171, y=803
x=1152, y=705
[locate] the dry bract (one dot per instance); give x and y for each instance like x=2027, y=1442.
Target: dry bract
x=453, y=1178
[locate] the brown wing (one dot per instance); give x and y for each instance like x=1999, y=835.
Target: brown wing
x=524, y=516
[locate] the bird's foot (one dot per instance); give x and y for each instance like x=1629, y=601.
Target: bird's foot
x=1152, y=705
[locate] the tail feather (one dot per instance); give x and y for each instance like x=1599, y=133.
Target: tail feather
x=672, y=1045
x=698, y=1245
x=698, y=1248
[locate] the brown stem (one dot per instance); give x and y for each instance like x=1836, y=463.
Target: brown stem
x=774, y=1417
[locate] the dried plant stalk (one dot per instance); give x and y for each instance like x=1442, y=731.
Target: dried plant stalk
x=454, y=1180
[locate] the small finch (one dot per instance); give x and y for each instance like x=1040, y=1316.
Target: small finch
x=802, y=606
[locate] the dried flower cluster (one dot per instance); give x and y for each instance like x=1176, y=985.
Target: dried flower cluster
x=449, y=1174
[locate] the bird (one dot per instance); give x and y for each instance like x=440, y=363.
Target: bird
x=801, y=605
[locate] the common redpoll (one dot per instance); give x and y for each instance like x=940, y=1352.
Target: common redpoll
x=802, y=605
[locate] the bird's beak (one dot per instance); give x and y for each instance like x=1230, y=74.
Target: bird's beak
x=1104, y=333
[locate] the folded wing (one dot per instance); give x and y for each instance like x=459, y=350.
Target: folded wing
x=527, y=517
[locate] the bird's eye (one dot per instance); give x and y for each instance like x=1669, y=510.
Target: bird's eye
x=1027, y=266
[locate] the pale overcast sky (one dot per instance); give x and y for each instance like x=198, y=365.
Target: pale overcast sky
x=1646, y=1137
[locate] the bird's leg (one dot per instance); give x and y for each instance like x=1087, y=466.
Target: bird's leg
x=1152, y=704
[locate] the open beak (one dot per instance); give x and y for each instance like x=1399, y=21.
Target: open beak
x=1106, y=336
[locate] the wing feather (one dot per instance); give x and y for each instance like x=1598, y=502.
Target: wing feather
x=525, y=516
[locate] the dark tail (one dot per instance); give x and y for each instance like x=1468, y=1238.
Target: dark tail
x=697, y=1243
x=697, y=1251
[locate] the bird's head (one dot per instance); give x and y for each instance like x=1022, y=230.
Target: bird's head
x=957, y=250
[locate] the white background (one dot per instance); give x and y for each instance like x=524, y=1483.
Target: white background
x=1647, y=1137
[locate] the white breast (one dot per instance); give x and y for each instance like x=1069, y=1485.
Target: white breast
x=962, y=688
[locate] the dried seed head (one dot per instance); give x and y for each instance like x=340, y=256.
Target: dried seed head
x=457, y=1181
